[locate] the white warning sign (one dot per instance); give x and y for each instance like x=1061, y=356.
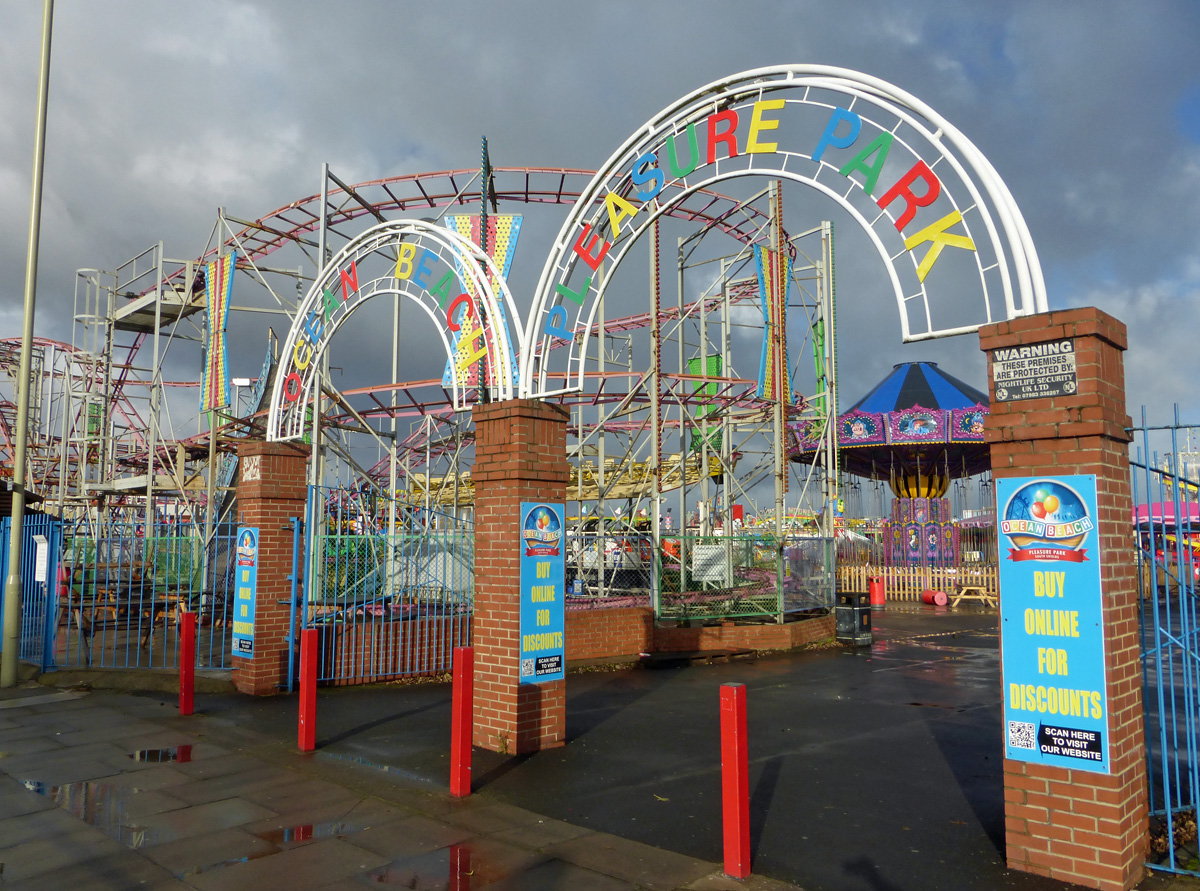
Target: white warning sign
x=1032, y=372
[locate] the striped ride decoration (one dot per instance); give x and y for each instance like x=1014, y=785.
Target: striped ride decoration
x=218, y=287
x=502, y=233
x=774, y=277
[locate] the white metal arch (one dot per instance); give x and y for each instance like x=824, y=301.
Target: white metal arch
x=1010, y=242
x=434, y=267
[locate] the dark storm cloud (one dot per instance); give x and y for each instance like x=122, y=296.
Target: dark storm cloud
x=160, y=113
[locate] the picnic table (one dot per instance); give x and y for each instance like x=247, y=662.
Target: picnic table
x=110, y=596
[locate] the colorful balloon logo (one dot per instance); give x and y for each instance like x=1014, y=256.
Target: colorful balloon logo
x=1049, y=502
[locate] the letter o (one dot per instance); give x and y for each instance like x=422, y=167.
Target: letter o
x=287, y=387
x=296, y=354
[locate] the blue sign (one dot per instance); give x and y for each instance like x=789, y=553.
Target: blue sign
x=543, y=582
x=245, y=591
x=1051, y=619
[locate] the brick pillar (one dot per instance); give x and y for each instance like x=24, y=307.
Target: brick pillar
x=1075, y=825
x=520, y=455
x=272, y=488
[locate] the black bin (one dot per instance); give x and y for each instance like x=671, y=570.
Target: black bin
x=853, y=618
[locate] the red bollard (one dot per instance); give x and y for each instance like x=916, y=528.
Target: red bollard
x=187, y=662
x=735, y=781
x=308, y=689
x=461, y=722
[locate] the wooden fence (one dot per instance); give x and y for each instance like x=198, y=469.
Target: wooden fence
x=905, y=583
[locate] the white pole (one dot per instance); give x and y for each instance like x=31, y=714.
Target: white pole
x=12, y=585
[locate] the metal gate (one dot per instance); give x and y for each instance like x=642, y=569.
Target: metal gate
x=41, y=545
x=389, y=585
x=1167, y=531
x=123, y=585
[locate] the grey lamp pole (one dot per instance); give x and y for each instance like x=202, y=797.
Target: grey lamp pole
x=12, y=585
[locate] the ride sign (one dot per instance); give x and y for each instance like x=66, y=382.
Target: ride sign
x=1052, y=633
x=543, y=582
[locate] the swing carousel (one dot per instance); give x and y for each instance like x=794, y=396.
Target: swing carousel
x=917, y=430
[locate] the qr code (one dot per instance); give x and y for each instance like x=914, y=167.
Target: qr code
x=526, y=667
x=1022, y=735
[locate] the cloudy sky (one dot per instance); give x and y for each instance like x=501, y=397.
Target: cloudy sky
x=162, y=112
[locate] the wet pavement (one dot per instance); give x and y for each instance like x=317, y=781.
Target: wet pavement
x=874, y=769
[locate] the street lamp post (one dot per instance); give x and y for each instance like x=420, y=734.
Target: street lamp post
x=12, y=585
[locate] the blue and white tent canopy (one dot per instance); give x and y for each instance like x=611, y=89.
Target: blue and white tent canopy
x=917, y=421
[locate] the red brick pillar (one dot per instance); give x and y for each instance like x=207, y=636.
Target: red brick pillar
x=272, y=488
x=1075, y=825
x=520, y=455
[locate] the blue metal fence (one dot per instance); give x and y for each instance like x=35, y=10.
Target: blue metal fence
x=391, y=592
x=40, y=550
x=1167, y=530
x=123, y=585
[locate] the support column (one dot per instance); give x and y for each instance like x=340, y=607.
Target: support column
x=271, y=490
x=520, y=455
x=1075, y=825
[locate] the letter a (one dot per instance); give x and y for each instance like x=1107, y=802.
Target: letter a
x=618, y=209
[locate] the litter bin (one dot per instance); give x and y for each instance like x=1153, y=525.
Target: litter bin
x=875, y=587
x=853, y=618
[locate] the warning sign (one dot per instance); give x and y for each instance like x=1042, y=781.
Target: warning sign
x=1031, y=372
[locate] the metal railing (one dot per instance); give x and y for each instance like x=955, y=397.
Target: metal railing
x=1166, y=530
x=123, y=585
x=389, y=605
x=759, y=576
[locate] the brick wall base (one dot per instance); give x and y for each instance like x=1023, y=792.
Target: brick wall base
x=616, y=633
x=366, y=652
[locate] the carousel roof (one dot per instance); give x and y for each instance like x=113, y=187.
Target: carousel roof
x=918, y=419
x=919, y=383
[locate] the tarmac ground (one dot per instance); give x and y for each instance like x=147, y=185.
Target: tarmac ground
x=877, y=768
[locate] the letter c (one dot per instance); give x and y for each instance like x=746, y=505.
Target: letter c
x=468, y=313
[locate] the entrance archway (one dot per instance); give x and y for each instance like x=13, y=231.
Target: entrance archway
x=449, y=277
x=812, y=129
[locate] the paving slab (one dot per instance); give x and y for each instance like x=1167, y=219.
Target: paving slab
x=187, y=857
x=646, y=866
x=410, y=837
x=199, y=819
x=34, y=859
x=102, y=871
x=299, y=868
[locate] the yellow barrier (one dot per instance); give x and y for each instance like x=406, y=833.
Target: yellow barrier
x=905, y=583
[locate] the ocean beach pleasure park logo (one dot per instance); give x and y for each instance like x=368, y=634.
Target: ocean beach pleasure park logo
x=542, y=532
x=1047, y=521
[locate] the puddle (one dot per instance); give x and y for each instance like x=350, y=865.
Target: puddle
x=179, y=754
x=232, y=861
x=307, y=832
x=281, y=838
x=448, y=869
x=97, y=804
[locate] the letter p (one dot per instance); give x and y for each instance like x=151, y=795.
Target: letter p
x=830, y=137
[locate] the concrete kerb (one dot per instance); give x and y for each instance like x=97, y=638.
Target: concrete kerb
x=157, y=680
